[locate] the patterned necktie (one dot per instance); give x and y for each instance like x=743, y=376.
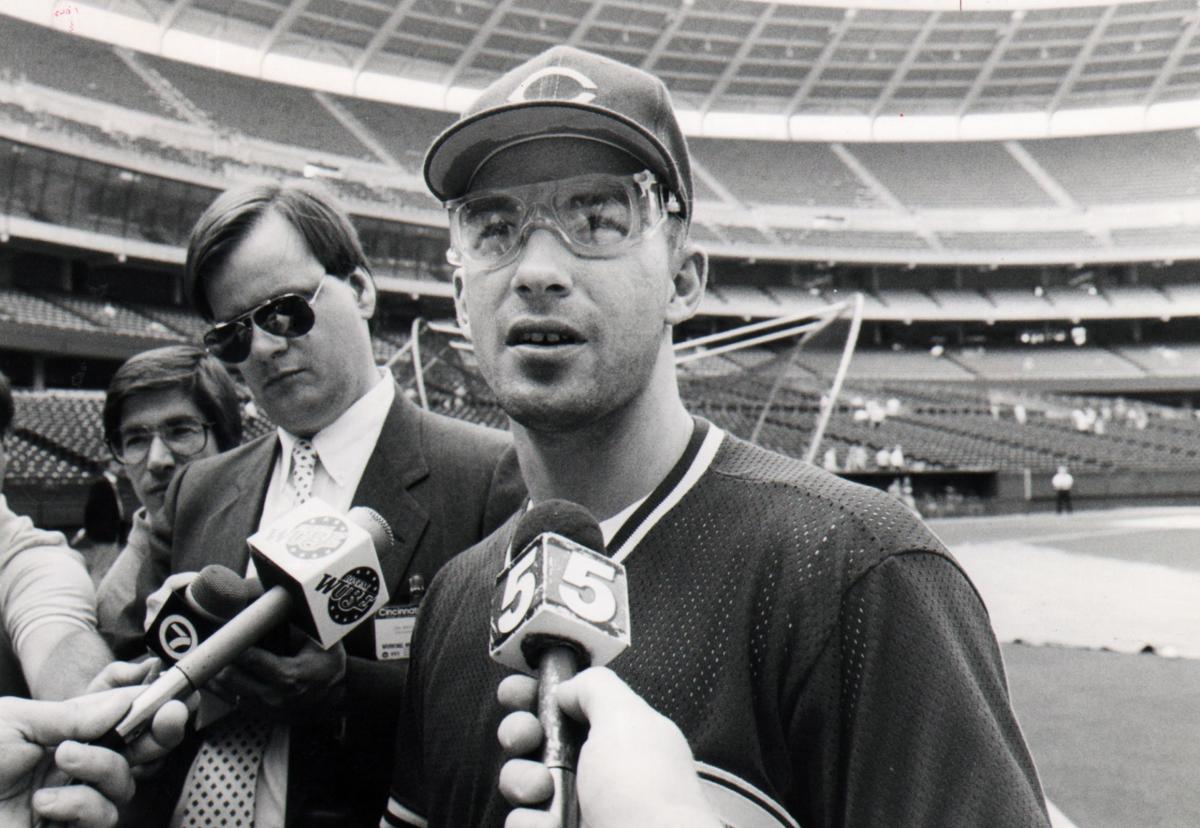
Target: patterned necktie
x=225, y=774
x=304, y=467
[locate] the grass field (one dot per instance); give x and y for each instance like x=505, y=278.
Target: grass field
x=1078, y=603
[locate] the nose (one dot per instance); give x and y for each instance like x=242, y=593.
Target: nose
x=159, y=458
x=543, y=265
x=263, y=344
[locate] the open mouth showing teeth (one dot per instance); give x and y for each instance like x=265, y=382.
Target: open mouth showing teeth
x=543, y=338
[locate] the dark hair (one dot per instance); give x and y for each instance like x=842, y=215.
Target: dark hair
x=311, y=209
x=185, y=367
x=6, y=405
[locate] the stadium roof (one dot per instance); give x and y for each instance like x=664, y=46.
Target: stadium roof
x=879, y=70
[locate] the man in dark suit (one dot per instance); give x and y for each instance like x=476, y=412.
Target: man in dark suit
x=279, y=270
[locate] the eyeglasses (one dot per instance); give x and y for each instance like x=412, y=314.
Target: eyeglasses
x=290, y=315
x=183, y=437
x=596, y=216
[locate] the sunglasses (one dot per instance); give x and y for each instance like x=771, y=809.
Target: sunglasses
x=596, y=216
x=290, y=315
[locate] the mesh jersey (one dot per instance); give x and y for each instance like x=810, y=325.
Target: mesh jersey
x=821, y=651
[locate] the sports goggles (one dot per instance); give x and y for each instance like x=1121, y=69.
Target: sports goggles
x=290, y=315
x=596, y=216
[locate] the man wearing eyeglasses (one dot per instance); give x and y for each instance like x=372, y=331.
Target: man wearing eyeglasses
x=164, y=408
x=279, y=273
x=826, y=660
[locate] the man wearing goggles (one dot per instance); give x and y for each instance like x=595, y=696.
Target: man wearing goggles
x=824, y=658
x=279, y=273
x=595, y=216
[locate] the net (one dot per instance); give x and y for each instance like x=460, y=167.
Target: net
x=774, y=382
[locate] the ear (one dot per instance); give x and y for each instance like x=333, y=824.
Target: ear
x=687, y=284
x=460, y=301
x=363, y=285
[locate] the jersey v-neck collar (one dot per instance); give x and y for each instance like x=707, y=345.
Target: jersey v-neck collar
x=688, y=469
x=697, y=456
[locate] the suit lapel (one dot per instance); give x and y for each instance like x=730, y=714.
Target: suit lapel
x=396, y=464
x=237, y=504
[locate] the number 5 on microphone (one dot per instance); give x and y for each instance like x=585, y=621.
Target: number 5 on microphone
x=560, y=589
x=519, y=590
x=586, y=588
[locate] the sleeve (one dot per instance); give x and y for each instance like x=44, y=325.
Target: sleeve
x=927, y=731
x=125, y=607
x=118, y=587
x=42, y=581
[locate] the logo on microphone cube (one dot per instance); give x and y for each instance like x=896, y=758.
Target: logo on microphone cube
x=177, y=628
x=317, y=537
x=352, y=595
x=327, y=563
x=177, y=636
x=560, y=589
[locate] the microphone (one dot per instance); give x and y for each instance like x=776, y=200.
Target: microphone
x=320, y=568
x=194, y=612
x=562, y=606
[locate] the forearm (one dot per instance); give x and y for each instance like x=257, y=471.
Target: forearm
x=68, y=658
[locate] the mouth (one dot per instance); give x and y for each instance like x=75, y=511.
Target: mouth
x=275, y=379
x=542, y=334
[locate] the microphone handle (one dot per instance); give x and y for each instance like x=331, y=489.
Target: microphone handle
x=213, y=654
x=564, y=735
x=189, y=674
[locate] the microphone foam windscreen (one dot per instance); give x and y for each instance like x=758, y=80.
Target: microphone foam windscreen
x=561, y=517
x=368, y=519
x=220, y=591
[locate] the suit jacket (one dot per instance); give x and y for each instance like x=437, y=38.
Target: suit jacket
x=441, y=484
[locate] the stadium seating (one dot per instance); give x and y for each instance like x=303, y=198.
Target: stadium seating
x=777, y=172
x=951, y=175
x=74, y=64
x=850, y=239
x=1119, y=169
x=1045, y=240
x=18, y=306
x=271, y=111
x=405, y=132
x=116, y=317
x=30, y=463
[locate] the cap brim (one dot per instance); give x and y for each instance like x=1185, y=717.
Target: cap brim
x=458, y=152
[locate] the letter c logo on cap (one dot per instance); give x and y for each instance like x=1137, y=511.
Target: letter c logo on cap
x=551, y=90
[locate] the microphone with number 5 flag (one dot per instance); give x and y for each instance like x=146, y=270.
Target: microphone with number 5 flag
x=561, y=606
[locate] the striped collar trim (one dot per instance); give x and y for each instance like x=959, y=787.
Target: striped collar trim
x=706, y=439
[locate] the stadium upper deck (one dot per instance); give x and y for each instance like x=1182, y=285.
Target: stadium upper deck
x=821, y=132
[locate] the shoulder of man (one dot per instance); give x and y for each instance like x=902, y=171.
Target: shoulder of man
x=449, y=437
x=864, y=524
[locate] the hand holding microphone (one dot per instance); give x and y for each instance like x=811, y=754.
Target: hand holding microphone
x=561, y=606
x=29, y=730
x=635, y=767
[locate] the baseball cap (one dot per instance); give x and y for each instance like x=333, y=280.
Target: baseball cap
x=565, y=93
